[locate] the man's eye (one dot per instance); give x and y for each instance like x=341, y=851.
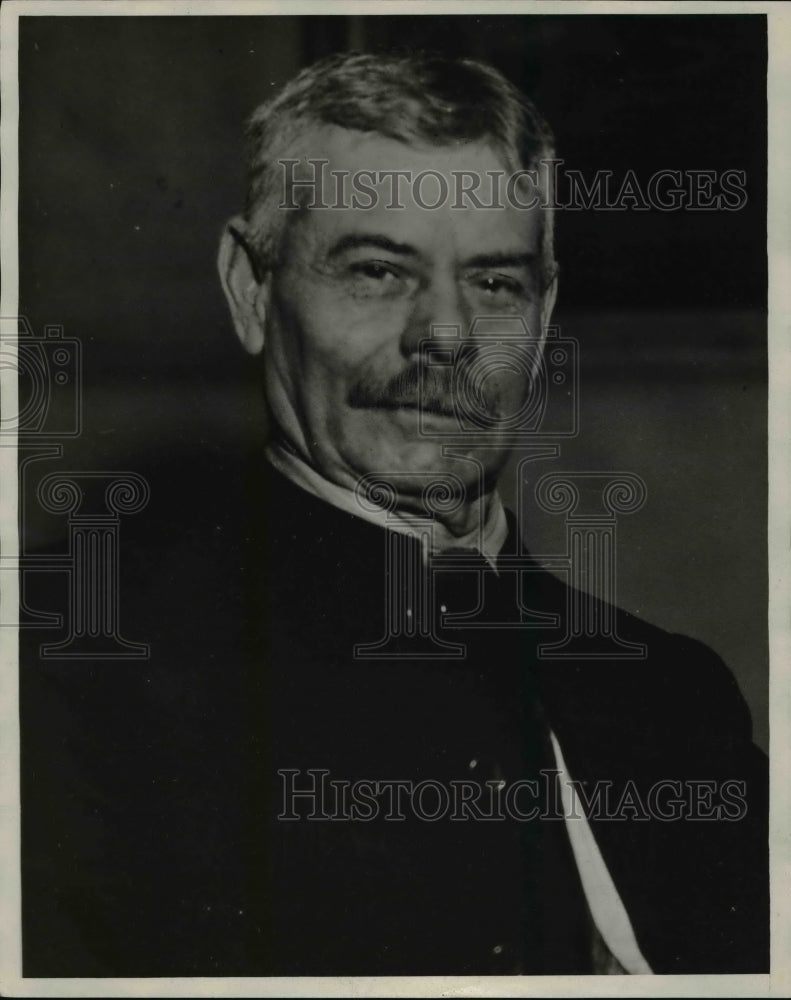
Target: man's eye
x=369, y=278
x=376, y=271
x=373, y=269
x=499, y=285
x=499, y=291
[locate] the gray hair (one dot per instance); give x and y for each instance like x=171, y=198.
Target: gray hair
x=430, y=100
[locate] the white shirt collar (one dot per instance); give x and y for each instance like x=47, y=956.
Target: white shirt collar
x=488, y=538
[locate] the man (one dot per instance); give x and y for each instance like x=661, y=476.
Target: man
x=341, y=303
x=285, y=825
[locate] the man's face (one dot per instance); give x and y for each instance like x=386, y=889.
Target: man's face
x=357, y=291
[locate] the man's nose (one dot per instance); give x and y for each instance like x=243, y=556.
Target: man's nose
x=440, y=309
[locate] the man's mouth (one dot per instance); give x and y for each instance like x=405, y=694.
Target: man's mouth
x=432, y=393
x=438, y=409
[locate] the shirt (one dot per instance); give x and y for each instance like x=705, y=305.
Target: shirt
x=488, y=538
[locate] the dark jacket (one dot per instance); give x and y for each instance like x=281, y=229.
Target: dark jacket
x=152, y=791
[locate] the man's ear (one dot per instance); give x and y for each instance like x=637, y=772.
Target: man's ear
x=246, y=291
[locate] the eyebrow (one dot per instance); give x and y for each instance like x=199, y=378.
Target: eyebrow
x=354, y=241
x=502, y=260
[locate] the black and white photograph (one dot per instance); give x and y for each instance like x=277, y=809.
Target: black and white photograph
x=388, y=456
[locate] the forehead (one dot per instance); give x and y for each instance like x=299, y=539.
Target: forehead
x=426, y=206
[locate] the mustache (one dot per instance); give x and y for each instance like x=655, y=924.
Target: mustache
x=433, y=390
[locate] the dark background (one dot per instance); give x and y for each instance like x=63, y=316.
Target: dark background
x=131, y=159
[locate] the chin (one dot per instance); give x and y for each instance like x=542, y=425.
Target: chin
x=418, y=466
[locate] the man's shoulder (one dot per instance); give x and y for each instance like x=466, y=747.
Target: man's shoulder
x=621, y=679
